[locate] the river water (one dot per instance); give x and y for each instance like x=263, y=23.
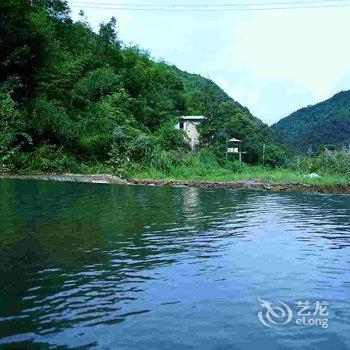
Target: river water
x=127, y=267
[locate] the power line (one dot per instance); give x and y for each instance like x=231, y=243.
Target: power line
x=307, y=2
x=162, y=9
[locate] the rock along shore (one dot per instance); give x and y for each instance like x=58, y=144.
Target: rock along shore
x=247, y=185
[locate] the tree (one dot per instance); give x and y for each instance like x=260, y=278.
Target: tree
x=108, y=32
x=275, y=156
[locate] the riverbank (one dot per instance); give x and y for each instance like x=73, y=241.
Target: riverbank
x=237, y=184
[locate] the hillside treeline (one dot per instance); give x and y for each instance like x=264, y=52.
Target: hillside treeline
x=75, y=100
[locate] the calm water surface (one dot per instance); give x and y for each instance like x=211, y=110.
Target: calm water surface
x=113, y=267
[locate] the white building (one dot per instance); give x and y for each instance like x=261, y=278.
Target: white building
x=189, y=125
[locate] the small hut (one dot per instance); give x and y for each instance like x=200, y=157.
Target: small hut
x=234, y=147
x=189, y=125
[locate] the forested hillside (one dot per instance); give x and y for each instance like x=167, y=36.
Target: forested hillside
x=324, y=124
x=72, y=98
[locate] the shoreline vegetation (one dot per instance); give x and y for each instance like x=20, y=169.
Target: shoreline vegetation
x=76, y=101
x=268, y=184
x=328, y=172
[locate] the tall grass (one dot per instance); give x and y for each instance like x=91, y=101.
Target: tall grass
x=207, y=168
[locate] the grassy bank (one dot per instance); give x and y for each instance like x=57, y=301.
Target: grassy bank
x=333, y=168
x=248, y=173
x=281, y=180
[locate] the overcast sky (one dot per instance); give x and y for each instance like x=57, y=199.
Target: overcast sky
x=273, y=62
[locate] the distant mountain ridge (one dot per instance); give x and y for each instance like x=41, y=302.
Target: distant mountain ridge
x=319, y=125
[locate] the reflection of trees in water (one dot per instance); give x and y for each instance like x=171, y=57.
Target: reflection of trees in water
x=101, y=238
x=98, y=243
x=73, y=225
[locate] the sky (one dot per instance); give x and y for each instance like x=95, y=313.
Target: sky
x=273, y=62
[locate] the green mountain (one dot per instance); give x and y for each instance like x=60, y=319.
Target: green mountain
x=203, y=96
x=324, y=124
x=70, y=96
x=228, y=118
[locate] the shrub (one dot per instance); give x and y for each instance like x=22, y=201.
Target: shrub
x=333, y=162
x=169, y=138
x=235, y=166
x=50, y=120
x=97, y=83
x=95, y=145
x=129, y=145
x=12, y=135
x=275, y=156
x=208, y=157
x=48, y=159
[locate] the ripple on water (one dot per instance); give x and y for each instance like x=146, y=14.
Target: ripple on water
x=108, y=266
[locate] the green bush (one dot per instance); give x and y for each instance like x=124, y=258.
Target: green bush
x=12, y=135
x=50, y=121
x=208, y=157
x=333, y=162
x=97, y=83
x=235, y=166
x=49, y=159
x=327, y=163
x=169, y=138
x=275, y=156
x=162, y=150
x=95, y=145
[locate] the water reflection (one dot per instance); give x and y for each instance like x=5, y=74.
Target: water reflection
x=120, y=267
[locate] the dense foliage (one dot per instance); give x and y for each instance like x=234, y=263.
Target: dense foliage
x=75, y=100
x=328, y=162
x=324, y=124
x=331, y=168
